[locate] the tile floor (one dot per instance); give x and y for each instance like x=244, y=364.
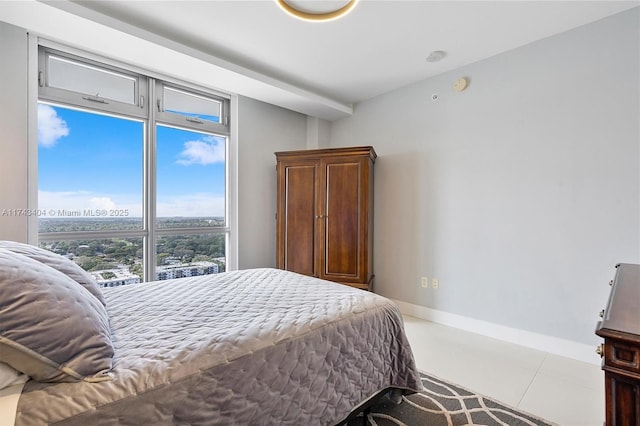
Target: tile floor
x=558, y=389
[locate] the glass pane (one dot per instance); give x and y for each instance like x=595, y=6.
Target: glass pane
x=111, y=262
x=180, y=256
x=191, y=178
x=93, y=81
x=90, y=170
x=190, y=105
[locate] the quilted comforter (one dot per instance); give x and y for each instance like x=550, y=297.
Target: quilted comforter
x=253, y=347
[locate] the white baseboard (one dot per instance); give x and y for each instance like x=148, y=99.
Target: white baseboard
x=541, y=342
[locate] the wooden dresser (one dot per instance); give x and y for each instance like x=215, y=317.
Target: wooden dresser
x=324, y=218
x=620, y=328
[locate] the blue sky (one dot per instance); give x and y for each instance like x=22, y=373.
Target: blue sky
x=90, y=161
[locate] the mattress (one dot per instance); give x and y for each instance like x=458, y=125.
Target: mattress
x=258, y=347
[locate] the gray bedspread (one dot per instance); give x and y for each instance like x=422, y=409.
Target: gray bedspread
x=253, y=347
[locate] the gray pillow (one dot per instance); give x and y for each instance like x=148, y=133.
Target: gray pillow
x=58, y=262
x=51, y=328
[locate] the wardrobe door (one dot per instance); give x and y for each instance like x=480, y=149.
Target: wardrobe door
x=342, y=219
x=297, y=217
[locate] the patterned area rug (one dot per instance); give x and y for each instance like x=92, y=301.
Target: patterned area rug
x=446, y=404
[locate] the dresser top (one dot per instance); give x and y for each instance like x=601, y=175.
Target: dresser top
x=622, y=315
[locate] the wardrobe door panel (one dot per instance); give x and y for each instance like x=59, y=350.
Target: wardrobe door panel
x=342, y=220
x=298, y=221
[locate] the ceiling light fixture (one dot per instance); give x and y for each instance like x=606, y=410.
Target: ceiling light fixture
x=309, y=14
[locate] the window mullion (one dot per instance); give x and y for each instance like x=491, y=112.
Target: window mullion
x=150, y=197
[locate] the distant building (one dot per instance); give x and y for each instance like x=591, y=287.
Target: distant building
x=114, y=277
x=182, y=270
x=122, y=275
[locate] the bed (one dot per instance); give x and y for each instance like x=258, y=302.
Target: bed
x=252, y=347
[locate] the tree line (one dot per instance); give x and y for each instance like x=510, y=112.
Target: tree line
x=95, y=255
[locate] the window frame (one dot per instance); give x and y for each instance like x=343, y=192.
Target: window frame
x=83, y=100
x=149, y=101
x=182, y=121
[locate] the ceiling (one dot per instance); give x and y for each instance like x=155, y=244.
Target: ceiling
x=378, y=47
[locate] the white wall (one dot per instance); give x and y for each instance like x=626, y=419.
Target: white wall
x=13, y=128
x=317, y=133
x=521, y=193
x=263, y=130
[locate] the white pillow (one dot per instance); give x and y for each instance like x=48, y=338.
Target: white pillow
x=9, y=376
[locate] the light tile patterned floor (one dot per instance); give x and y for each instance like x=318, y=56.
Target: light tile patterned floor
x=562, y=390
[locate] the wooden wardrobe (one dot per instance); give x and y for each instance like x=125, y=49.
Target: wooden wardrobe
x=620, y=352
x=324, y=218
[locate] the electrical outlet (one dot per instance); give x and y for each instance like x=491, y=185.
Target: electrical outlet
x=424, y=282
x=435, y=283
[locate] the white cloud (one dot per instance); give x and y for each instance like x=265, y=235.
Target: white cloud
x=50, y=126
x=53, y=202
x=101, y=203
x=208, y=150
x=186, y=205
x=191, y=205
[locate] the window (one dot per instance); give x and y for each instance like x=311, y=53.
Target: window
x=75, y=76
x=190, y=169
x=197, y=108
x=132, y=172
x=90, y=170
